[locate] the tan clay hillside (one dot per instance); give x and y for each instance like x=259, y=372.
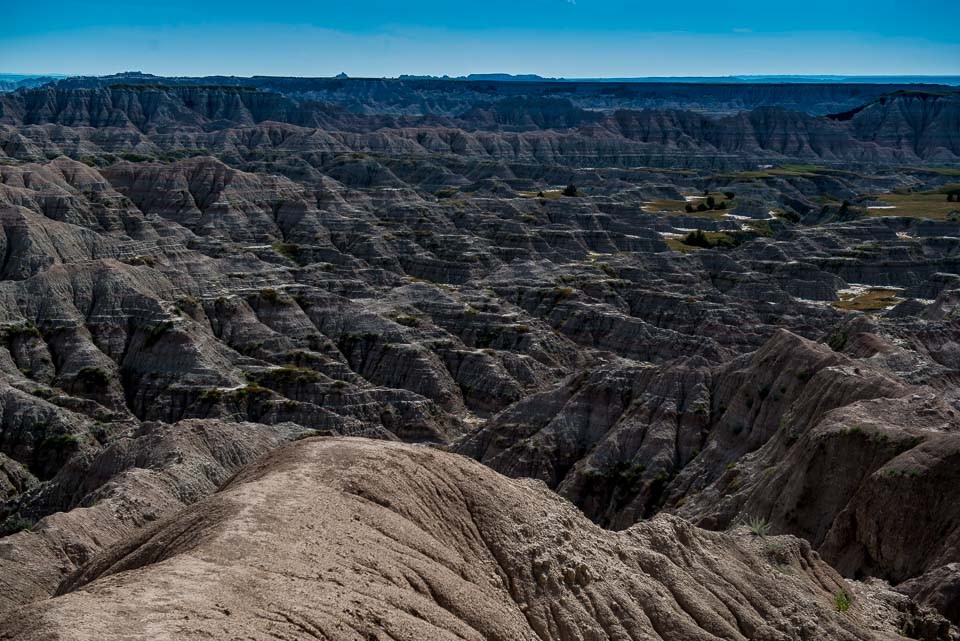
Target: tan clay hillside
x=353, y=539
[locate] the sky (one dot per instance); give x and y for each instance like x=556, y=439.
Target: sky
x=554, y=38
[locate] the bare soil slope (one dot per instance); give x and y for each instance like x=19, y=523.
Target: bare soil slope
x=338, y=538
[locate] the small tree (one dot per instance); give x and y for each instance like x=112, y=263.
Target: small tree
x=570, y=190
x=702, y=207
x=711, y=202
x=730, y=195
x=689, y=208
x=722, y=205
x=950, y=197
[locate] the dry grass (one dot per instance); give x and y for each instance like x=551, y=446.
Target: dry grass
x=805, y=171
x=918, y=205
x=943, y=171
x=873, y=300
x=679, y=207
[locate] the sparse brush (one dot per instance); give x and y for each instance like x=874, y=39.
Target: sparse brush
x=758, y=526
x=842, y=601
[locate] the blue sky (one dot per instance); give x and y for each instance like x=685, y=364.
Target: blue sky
x=571, y=38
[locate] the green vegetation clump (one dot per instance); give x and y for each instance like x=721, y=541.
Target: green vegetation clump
x=60, y=442
x=133, y=157
x=287, y=250
x=187, y=301
x=270, y=295
x=842, y=601
x=625, y=472
x=211, y=395
x=96, y=376
x=776, y=553
x=148, y=261
x=838, y=339
x=408, y=320
x=286, y=375
x=570, y=191
x=13, y=524
x=156, y=333
x=758, y=526
x=709, y=240
x=252, y=391
x=12, y=332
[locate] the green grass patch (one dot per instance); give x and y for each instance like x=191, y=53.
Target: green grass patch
x=700, y=239
x=745, y=175
x=932, y=205
x=287, y=375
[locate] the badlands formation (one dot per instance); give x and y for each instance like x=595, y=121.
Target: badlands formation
x=421, y=359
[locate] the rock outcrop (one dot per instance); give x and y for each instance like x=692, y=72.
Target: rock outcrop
x=345, y=539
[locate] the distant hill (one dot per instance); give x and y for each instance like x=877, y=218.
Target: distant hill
x=14, y=81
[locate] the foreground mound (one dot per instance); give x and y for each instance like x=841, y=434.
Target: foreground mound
x=352, y=539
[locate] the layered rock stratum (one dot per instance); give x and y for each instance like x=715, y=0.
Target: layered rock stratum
x=713, y=353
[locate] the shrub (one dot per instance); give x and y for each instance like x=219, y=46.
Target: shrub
x=252, y=391
x=730, y=195
x=270, y=295
x=94, y=376
x=287, y=250
x=838, y=339
x=60, y=442
x=412, y=321
x=758, y=526
x=842, y=601
x=147, y=261
x=570, y=191
x=697, y=238
x=286, y=375
x=776, y=553
x=12, y=332
x=132, y=157
x=689, y=208
x=156, y=332
x=13, y=524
